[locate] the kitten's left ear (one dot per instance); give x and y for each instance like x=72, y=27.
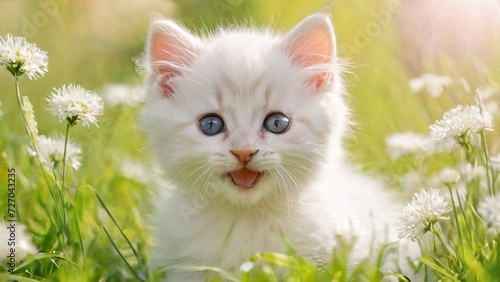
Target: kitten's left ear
x=312, y=43
x=170, y=49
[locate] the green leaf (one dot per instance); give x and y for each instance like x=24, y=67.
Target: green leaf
x=78, y=211
x=448, y=273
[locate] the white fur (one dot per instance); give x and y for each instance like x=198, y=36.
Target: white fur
x=306, y=192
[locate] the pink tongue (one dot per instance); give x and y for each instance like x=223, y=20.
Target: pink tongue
x=244, y=177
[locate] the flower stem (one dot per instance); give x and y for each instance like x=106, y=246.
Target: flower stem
x=49, y=178
x=65, y=226
x=463, y=207
x=455, y=215
x=489, y=169
x=64, y=156
x=21, y=107
x=436, y=232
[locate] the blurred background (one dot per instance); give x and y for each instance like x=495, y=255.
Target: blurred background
x=408, y=61
x=385, y=42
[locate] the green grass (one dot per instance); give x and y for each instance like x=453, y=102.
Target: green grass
x=99, y=233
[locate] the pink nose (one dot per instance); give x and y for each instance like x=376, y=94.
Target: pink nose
x=244, y=156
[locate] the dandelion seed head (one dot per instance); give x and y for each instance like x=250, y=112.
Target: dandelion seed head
x=21, y=57
x=75, y=104
x=401, y=144
x=459, y=124
x=426, y=208
x=489, y=209
x=52, y=150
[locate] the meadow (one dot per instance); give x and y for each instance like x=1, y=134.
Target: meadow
x=408, y=63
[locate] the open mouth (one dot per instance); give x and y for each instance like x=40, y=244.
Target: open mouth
x=245, y=178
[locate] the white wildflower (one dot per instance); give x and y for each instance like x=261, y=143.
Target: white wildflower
x=425, y=209
x=461, y=125
x=52, y=150
x=75, y=103
x=24, y=245
x=447, y=176
x=432, y=83
x=121, y=94
x=21, y=57
x=401, y=144
x=470, y=172
x=489, y=209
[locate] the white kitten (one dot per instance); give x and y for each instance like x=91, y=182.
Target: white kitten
x=247, y=126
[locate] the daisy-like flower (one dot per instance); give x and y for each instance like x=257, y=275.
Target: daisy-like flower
x=401, y=144
x=461, y=125
x=121, y=94
x=75, y=103
x=489, y=209
x=426, y=208
x=52, y=150
x=432, y=83
x=21, y=57
x=24, y=244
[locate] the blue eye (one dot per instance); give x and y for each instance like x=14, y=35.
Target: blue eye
x=276, y=123
x=211, y=124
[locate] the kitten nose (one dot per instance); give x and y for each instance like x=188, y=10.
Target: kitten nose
x=244, y=156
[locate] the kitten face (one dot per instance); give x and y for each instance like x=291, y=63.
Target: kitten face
x=243, y=116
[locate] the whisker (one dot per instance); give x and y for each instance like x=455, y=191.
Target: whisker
x=298, y=165
x=189, y=166
x=281, y=185
x=191, y=174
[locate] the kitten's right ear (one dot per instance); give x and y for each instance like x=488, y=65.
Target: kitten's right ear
x=170, y=49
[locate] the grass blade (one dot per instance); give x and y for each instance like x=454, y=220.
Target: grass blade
x=136, y=254
x=121, y=255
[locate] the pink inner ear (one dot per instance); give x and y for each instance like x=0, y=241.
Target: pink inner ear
x=165, y=55
x=317, y=80
x=171, y=49
x=312, y=48
x=166, y=89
